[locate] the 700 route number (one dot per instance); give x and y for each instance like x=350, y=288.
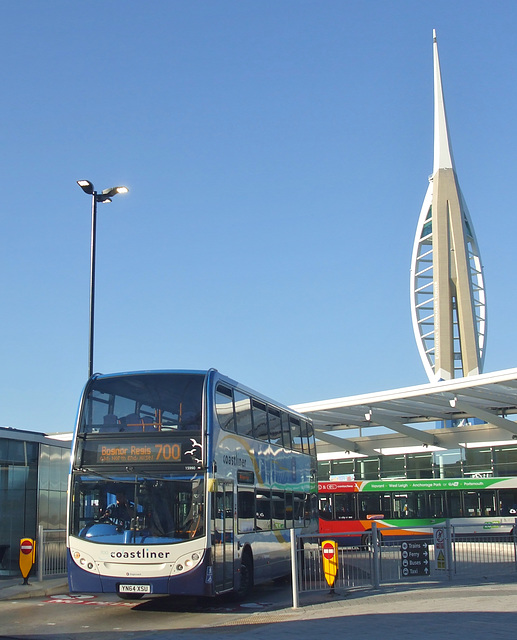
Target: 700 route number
x=168, y=452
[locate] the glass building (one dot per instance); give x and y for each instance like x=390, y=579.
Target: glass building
x=33, y=485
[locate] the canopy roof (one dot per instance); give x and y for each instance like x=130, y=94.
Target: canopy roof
x=387, y=421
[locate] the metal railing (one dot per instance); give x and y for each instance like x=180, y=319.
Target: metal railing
x=51, y=552
x=387, y=560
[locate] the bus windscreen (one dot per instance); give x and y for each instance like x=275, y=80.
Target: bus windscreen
x=143, y=403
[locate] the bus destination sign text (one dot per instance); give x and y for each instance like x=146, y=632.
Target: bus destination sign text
x=142, y=451
x=156, y=452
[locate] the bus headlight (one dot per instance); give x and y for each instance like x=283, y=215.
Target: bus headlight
x=188, y=562
x=84, y=561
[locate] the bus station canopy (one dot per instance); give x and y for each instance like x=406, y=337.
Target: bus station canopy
x=435, y=416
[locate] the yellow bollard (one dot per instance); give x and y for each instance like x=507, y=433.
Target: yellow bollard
x=27, y=557
x=330, y=562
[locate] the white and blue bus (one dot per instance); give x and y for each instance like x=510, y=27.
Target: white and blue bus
x=185, y=482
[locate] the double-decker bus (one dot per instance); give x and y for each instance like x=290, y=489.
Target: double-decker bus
x=185, y=482
x=474, y=505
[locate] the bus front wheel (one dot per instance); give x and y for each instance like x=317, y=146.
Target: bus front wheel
x=245, y=577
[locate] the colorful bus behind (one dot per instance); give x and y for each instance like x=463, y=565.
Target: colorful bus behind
x=412, y=507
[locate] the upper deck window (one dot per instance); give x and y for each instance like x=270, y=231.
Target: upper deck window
x=259, y=420
x=145, y=403
x=224, y=407
x=242, y=405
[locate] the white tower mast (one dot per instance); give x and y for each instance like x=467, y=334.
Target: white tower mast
x=448, y=304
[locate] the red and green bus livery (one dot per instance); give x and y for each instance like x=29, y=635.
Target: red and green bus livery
x=413, y=507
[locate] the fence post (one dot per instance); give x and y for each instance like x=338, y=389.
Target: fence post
x=294, y=569
x=448, y=543
x=40, y=553
x=376, y=557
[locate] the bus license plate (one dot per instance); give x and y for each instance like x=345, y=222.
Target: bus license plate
x=134, y=588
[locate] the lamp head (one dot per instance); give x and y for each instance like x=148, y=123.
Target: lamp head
x=86, y=186
x=114, y=191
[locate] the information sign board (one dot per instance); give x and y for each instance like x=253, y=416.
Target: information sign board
x=414, y=558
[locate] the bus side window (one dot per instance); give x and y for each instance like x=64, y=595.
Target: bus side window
x=488, y=503
x=508, y=502
x=344, y=506
x=275, y=426
x=403, y=505
x=286, y=431
x=296, y=434
x=224, y=407
x=298, y=508
x=310, y=435
x=305, y=436
x=325, y=507
x=370, y=506
x=278, y=509
x=454, y=508
x=437, y=504
x=420, y=507
x=263, y=510
x=479, y=503
x=245, y=510
x=260, y=430
x=472, y=503
x=242, y=405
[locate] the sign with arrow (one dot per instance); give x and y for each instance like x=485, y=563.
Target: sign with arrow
x=414, y=558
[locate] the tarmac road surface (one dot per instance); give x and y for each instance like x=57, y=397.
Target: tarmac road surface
x=395, y=612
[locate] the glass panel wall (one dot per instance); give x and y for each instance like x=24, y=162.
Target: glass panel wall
x=53, y=473
x=18, y=478
x=343, y=469
x=478, y=463
x=33, y=485
x=454, y=463
x=368, y=468
x=419, y=465
x=448, y=464
x=324, y=470
x=393, y=467
x=505, y=461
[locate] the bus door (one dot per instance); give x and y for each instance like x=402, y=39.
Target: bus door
x=222, y=535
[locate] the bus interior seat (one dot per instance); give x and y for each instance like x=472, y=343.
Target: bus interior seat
x=148, y=424
x=132, y=422
x=111, y=422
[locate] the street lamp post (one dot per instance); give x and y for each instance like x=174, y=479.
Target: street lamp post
x=104, y=196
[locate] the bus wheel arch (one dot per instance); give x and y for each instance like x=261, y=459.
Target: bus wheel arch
x=245, y=575
x=367, y=539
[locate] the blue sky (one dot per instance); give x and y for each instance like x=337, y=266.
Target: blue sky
x=277, y=155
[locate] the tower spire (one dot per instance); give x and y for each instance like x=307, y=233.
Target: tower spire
x=448, y=304
x=442, y=147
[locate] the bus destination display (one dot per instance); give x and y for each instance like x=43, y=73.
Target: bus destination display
x=137, y=452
